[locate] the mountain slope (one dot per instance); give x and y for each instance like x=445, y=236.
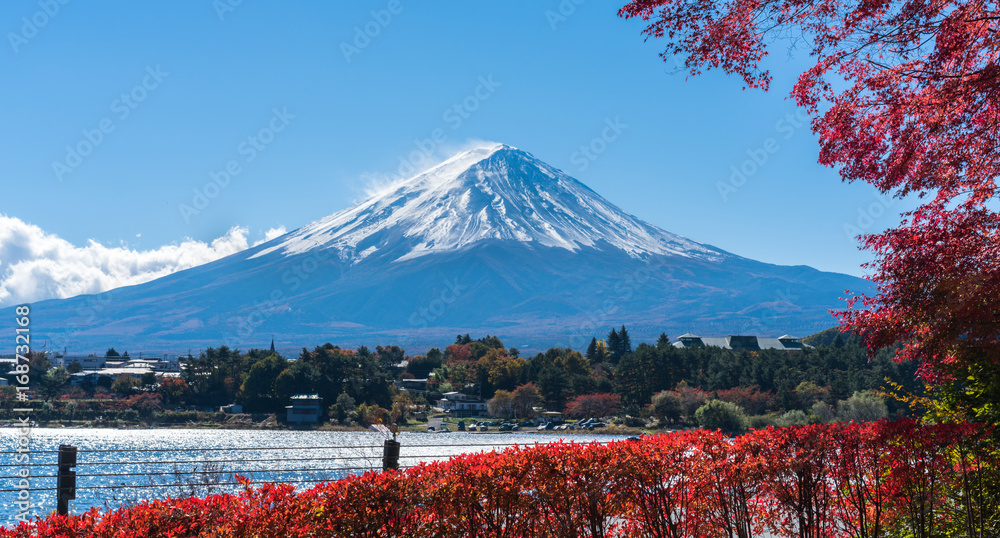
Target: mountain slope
x=492, y=193
x=492, y=240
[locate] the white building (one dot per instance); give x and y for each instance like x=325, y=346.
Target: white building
x=87, y=363
x=462, y=405
x=112, y=373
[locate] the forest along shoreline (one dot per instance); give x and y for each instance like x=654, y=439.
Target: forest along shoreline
x=665, y=386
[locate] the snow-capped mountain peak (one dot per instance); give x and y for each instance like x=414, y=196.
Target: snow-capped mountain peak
x=490, y=193
x=491, y=241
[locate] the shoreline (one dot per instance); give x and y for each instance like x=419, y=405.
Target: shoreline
x=273, y=426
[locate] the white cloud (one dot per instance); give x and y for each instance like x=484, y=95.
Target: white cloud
x=271, y=234
x=377, y=184
x=36, y=265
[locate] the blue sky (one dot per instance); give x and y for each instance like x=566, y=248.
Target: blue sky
x=183, y=89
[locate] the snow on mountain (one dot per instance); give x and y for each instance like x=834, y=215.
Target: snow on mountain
x=490, y=241
x=495, y=192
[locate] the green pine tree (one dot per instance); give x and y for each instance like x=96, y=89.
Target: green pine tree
x=592, y=351
x=625, y=341
x=614, y=345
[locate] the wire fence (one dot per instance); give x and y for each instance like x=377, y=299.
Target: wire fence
x=205, y=475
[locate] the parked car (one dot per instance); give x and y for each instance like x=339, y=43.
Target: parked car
x=527, y=424
x=472, y=427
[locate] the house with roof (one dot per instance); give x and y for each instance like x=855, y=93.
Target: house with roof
x=736, y=342
x=415, y=385
x=167, y=363
x=462, y=405
x=305, y=408
x=111, y=373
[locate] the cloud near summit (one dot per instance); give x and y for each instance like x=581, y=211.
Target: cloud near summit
x=36, y=265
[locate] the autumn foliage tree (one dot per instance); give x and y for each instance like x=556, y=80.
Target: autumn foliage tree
x=904, y=96
x=501, y=405
x=594, y=405
x=172, y=389
x=751, y=398
x=525, y=399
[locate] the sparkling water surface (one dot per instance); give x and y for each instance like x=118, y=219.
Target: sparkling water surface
x=202, y=462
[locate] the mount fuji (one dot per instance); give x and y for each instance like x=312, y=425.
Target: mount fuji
x=492, y=240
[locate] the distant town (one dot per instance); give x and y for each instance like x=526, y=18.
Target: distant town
x=754, y=380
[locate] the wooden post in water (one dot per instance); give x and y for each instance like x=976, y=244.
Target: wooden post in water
x=390, y=455
x=66, y=479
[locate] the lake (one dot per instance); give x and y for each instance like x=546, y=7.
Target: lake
x=116, y=467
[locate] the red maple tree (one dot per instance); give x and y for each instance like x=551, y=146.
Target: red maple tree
x=904, y=96
x=593, y=405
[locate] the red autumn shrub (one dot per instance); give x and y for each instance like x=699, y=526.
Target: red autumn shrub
x=477, y=493
x=571, y=485
x=733, y=500
x=797, y=477
x=830, y=481
x=751, y=399
x=145, y=403
x=918, y=468
x=859, y=466
x=372, y=505
x=660, y=483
